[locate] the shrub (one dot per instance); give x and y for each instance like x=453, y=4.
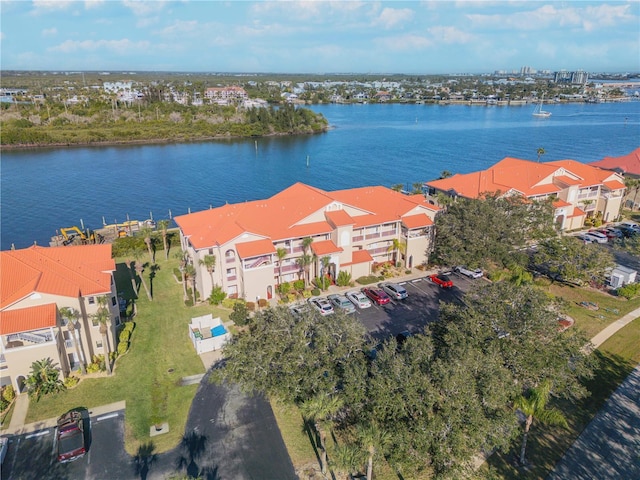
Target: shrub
x=629, y=291
x=3, y=404
x=367, y=280
x=251, y=306
x=123, y=346
x=298, y=284
x=124, y=336
x=407, y=272
x=344, y=278
x=240, y=314
x=291, y=298
x=284, y=289
x=230, y=302
x=307, y=293
x=8, y=393
x=315, y=292
x=322, y=283
x=129, y=326
x=262, y=302
x=71, y=381
x=217, y=295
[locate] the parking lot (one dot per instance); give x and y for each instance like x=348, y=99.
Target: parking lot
x=416, y=311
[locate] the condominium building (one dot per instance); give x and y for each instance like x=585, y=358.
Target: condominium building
x=259, y=244
x=36, y=283
x=578, y=190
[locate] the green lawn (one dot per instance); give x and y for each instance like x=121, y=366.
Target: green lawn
x=617, y=357
x=160, y=351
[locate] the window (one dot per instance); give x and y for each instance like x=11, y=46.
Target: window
x=117, y=320
x=114, y=301
x=99, y=344
x=211, y=251
x=94, y=321
x=92, y=300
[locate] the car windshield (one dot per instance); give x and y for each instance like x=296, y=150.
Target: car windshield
x=71, y=441
x=444, y=278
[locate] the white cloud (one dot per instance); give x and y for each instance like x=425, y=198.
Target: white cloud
x=89, y=4
x=391, y=17
x=124, y=46
x=399, y=43
x=144, y=8
x=46, y=6
x=450, y=35
x=147, y=22
x=49, y=32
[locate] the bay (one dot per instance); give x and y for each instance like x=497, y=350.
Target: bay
x=43, y=190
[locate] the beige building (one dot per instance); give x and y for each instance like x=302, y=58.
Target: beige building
x=579, y=190
x=36, y=283
x=350, y=229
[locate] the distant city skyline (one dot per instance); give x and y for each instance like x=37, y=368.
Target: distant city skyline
x=315, y=37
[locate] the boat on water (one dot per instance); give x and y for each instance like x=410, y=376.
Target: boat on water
x=539, y=112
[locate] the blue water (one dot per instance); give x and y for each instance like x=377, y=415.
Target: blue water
x=46, y=189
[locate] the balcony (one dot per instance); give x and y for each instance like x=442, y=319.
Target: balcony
x=28, y=339
x=372, y=235
x=230, y=259
x=388, y=233
x=358, y=238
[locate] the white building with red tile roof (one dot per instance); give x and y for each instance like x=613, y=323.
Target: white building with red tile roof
x=353, y=228
x=36, y=283
x=579, y=190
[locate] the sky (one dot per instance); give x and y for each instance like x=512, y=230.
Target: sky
x=316, y=37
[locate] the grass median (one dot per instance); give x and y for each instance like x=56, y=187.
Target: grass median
x=160, y=352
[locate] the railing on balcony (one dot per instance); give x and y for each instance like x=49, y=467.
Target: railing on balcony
x=31, y=337
x=257, y=262
x=377, y=251
x=593, y=194
x=388, y=233
x=357, y=238
x=231, y=278
x=372, y=235
x=68, y=343
x=230, y=259
x=286, y=269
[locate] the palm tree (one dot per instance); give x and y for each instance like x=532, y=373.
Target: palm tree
x=103, y=317
x=375, y=441
x=397, y=187
x=71, y=316
x=317, y=412
x=163, y=225
x=540, y=152
x=139, y=267
x=348, y=457
x=396, y=246
x=146, y=233
x=190, y=274
x=44, y=379
x=306, y=258
x=183, y=257
x=534, y=406
x=281, y=253
x=417, y=188
x=445, y=174
x=303, y=262
x=325, y=261
x=209, y=262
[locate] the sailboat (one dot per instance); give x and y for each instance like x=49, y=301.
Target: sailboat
x=539, y=112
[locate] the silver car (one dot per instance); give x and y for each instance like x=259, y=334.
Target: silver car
x=395, y=291
x=322, y=305
x=341, y=302
x=359, y=299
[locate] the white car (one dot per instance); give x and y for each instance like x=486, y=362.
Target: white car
x=299, y=310
x=341, y=302
x=597, y=237
x=322, y=305
x=359, y=299
x=395, y=291
x=467, y=272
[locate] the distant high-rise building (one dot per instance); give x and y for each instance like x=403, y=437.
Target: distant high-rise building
x=573, y=78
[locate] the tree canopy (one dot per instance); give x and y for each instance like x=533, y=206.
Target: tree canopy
x=490, y=230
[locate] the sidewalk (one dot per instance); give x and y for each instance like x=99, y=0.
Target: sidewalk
x=601, y=337
x=17, y=425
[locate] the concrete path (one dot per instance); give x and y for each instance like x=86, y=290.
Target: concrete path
x=609, y=447
x=604, y=335
x=19, y=415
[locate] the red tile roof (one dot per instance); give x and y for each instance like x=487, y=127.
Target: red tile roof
x=525, y=177
x=288, y=214
x=359, y=256
x=325, y=247
x=255, y=248
x=629, y=163
x=417, y=221
x=70, y=271
x=28, y=319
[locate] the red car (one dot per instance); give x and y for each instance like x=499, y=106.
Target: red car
x=70, y=437
x=377, y=295
x=441, y=279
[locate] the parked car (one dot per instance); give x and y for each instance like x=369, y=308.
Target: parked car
x=597, y=236
x=322, y=305
x=376, y=295
x=359, y=299
x=4, y=446
x=467, y=272
x=299, y=310
x=341, y=302
x=394, y=290
x=611, y=233
x=70, y=438
x=585, y=238
x=441, y=280
x=630, y=224
x=627, y=231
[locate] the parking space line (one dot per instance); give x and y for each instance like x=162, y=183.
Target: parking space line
x=38, y=434
x=106, y=417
